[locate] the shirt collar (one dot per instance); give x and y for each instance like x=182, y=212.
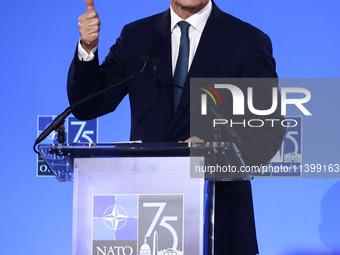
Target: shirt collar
x=197, y=21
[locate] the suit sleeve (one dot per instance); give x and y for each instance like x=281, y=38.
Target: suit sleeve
x=88, y=78
x=260, y=144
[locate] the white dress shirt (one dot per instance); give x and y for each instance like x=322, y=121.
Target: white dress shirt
x=197, y=23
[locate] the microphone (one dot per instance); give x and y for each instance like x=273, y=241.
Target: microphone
x=59, y=120
x=155, y=64
x=231, y=132
x=56, y=123
x=145, y=59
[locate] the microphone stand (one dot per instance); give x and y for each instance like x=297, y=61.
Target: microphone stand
x=58, y=122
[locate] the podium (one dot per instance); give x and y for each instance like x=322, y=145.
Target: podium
x=143, y=198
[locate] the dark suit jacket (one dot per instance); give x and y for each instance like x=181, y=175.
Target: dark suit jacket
x=228, y=48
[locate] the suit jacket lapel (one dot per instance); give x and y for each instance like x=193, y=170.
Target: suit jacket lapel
x=161, y=47
x=213, y=40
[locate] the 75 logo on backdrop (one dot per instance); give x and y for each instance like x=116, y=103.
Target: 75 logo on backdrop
x=76, y=132
x=82, y=131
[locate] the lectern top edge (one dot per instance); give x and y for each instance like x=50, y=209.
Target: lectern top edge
x=60, y=159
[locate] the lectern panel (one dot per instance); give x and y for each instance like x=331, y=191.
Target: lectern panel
x=137, y=205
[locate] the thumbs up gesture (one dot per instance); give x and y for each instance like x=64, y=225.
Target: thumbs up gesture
x=89, y=5
x=89, y=27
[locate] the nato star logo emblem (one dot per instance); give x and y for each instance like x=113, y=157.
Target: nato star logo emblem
x=115, y=217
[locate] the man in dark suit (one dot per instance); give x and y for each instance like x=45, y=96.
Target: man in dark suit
x=220, y=46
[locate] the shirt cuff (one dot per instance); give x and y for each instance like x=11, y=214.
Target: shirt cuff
x=83, y=55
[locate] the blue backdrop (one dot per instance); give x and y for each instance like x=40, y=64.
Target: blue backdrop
x=38, y=39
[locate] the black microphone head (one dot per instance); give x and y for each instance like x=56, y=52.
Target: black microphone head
x=156, y=62
x=145, y=59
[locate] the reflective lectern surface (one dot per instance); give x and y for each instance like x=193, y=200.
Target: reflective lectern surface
x=222, y=159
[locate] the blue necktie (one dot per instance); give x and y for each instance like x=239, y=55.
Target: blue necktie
x=181, y=70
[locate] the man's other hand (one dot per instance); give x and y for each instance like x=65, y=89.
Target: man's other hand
x=193, y=139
